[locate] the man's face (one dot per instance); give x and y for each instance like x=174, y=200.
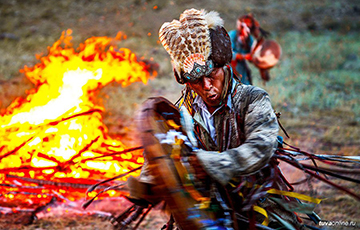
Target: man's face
x=210, y=88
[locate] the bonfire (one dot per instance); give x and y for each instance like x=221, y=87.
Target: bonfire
x=53, y=143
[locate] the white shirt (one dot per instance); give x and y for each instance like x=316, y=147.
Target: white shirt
x=206, y=116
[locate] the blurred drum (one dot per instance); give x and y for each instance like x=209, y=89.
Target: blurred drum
x=266, y=55
x=161, y=135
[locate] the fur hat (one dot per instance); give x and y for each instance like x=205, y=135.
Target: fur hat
x=196, y=43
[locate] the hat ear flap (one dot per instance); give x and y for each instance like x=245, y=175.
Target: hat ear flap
x=221, y=51
x=177, y=73
x=178, y=78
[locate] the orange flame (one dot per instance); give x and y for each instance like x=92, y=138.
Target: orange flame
x=51, y=134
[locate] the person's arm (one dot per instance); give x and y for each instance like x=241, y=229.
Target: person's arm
x=240, y=57
x=261, y=130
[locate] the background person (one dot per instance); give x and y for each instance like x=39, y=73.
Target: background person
x=244, y=39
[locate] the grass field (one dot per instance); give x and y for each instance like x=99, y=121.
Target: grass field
x=315, y=85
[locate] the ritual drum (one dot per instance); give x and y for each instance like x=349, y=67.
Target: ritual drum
x=163, y=140
x=266, y=55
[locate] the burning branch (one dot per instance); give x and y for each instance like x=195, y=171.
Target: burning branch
x=15, y=149
x=71, y=161
x=51, y=183
x=86, y=113
x=112, y=154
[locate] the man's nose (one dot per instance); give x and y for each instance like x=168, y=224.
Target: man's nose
x=207, y=83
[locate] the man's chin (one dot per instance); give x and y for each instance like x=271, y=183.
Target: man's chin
x=214, y=104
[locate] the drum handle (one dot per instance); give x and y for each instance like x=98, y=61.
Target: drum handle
x=258, y=43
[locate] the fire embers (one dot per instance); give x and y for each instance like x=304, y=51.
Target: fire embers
x=55, y=138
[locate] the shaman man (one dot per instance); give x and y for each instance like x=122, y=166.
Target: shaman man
x=235, y=125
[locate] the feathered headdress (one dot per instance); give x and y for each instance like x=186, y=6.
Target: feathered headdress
x=190, y=43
